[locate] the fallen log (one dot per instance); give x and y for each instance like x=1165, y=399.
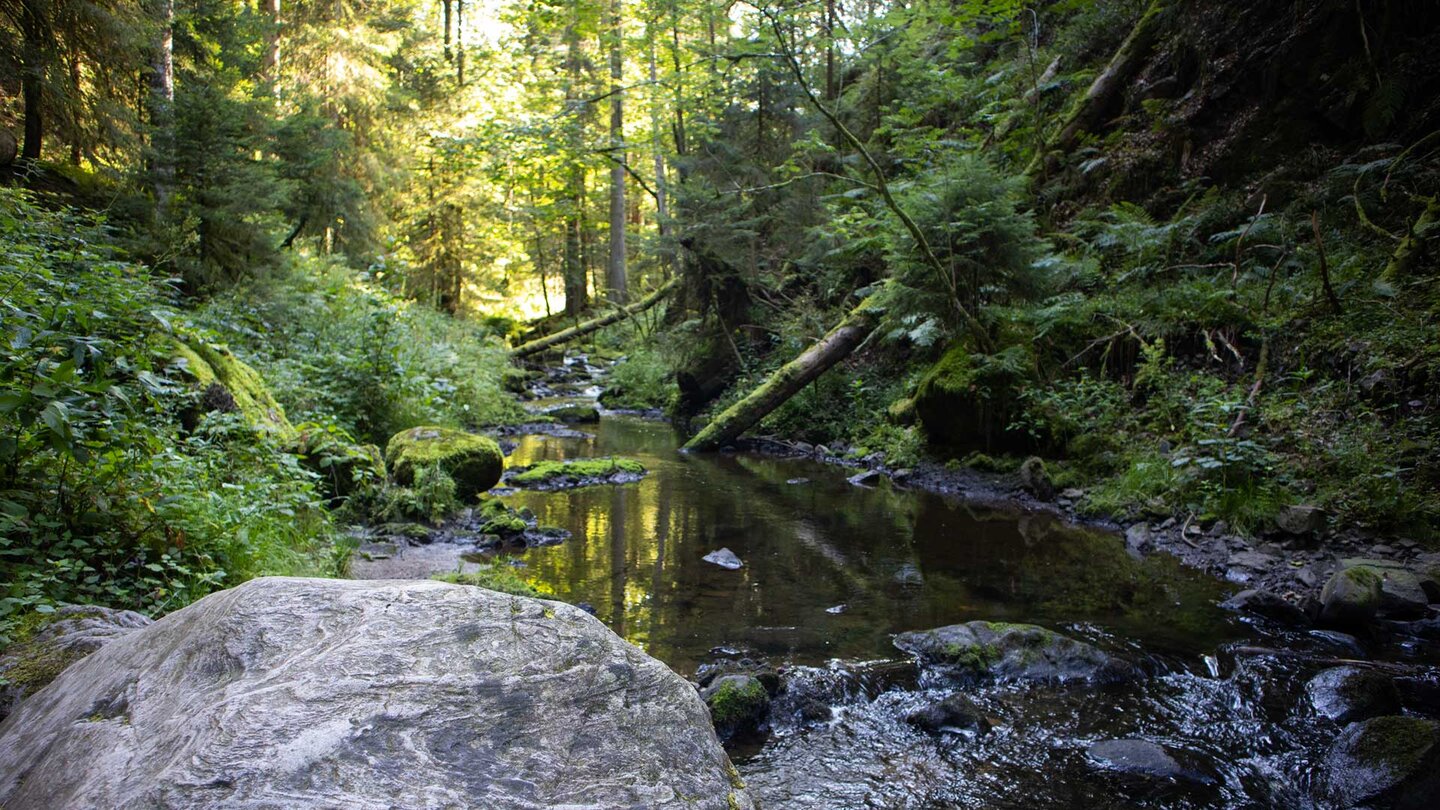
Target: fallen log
x=789, y=379
x=1088, y=114
x=583, y=329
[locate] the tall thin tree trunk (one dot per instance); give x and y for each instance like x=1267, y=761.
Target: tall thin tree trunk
x=831, y=88
x=32, y=76
x=162, y=102
x=75, y=135
x=446, y=5
x=573, y=263
x=662, y=206
x=460, y=42
x=615, y=269
x=272, y=39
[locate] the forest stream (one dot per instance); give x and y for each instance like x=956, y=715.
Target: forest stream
x=833, y=569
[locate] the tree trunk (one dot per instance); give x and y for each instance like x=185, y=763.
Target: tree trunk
x=662, y=206
x=583, y=329
x=32, y=77
x=787, y=381
x=162, y=102
x=573, y=265
x=272, y=38
x=615, y=269
x=446, y=5
x=460, y=42
x=1100, y=98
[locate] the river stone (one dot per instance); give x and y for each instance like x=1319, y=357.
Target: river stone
x=738, y=705
x=309, y=693
x=474, y=462
x=1391, y=762
x=1347, y=694
x=1351, y=596
x=574, y=414
x=725, y=558
x=1011, y=652
x=956, y=713
x=62, y=638
x=1300, y=520
x=1036, y=479
x=1139, y=758
x=1268, y=604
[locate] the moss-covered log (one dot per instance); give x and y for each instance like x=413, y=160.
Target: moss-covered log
x=789, y=379
x=583, y=329
x=1413, y=245
x=1090, y=112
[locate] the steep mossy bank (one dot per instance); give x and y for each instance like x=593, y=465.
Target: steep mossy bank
x=149, y=454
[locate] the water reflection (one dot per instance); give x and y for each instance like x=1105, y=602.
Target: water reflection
x=896, y=560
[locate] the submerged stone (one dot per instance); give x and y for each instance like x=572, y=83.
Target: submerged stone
x=1141, y=758
x=1013, y=652
x=955, y=714
x=315, y=693
x=725, y=558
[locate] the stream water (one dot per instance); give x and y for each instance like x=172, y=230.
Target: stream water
x=832, y=570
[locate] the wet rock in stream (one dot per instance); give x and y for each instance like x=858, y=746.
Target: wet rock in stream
x=1011, y=652
x=1348, y=694
x=956, y=713
x=1142, y=758
x=1386, y=762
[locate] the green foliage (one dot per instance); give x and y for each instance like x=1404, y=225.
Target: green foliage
x=643, y=380
x=334, y=344
x=987, y=247
x=431, y=497
x=494, y=577
x=102, y=497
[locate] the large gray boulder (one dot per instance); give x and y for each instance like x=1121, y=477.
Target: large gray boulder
x=1385, y=762
x=307, y=693
x=1010, y=652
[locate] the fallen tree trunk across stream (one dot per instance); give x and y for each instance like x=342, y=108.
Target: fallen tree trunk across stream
x=582, y=329
x=789, y=379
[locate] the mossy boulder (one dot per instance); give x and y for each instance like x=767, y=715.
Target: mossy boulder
x=967, y=401
x=474, y=462
x=1385, y=762
x=1351, y=597
x=1036, y=479
x=1010, y=652
x=739, y=705
x=579, y=472
x=574, y=414
x=228, y=383
x=901, y=412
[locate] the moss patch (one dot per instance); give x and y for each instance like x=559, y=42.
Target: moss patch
x=474, y=462
x=737, y=701
x=551, y=472
x=1395, y=743
x=210, y=365
x=500, y=578
x=34, y=664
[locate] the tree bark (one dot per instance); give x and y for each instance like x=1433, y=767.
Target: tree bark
x=787, y=381
x=272, y=39
x=1100, y=98
x=32, y=76
x=583, y=329
x=573, y=265
x=615, y=281
x=162, y=102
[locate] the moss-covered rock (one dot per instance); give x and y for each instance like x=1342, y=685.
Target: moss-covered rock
x=1351, y=597
x=579, y=472
x=901, y=412
x=474, y=462
x=1385, y=762
x=1014, y=652
x=1348, y=694
x=739, y=705
x=1036, y=479
x=574, y=414
x=229, y=383
x=967, y=402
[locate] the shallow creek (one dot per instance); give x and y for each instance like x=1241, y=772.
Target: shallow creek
x=832, y=570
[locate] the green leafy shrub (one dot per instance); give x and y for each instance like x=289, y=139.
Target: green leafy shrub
x=643, y=380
